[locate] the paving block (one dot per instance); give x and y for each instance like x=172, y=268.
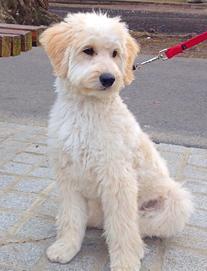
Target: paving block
x=6, y=131
x=196, y=186
x=198, y=151
x=22, y=255
x=42, y=172
x=33, y=185
x=200, y=201
x=2, y=139
x=44, y=162
x=191, y=237
x=16, y=168
x=6, y=154
x=12, y=126
x=16, y=145
x=7, y=268
x=82, y=262
x=42, y=139
x=26, y=135
x=55, y=191
x=173, y=161
x=17, y=200
x=26, y=132
x=8, y=219
x=178, y=259
x=49, y=208
x=152, y=257
x=6, y=180
x=171, y=148
x=28, y=158
x=195, y=173
x=199, y=160
x=37, y=148
x=38, y=228
x=198, y=218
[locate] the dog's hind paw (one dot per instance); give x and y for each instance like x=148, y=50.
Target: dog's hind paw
x=61, y=252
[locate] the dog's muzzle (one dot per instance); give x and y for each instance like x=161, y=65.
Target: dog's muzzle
x=107, y=79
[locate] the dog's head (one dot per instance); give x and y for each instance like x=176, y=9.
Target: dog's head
x=93, y=52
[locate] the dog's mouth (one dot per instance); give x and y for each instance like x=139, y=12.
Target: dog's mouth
x=104, y=88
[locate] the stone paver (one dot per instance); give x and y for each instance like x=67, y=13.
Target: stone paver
x=180, y=259
x=29, y=203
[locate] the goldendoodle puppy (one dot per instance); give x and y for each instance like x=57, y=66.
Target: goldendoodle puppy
x=108, y=171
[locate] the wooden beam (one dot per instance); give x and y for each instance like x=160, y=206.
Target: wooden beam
x=15, y=44
x=5, y=46
x=36, y=30
x=26, y=37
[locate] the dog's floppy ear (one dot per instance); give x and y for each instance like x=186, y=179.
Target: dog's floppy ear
x=55, y=40
x=132, y=49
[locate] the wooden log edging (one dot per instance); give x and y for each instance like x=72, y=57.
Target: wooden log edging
x=5, y=46
x=36, y=30
x=15, y=47
x=15, y=38
x=26, y=37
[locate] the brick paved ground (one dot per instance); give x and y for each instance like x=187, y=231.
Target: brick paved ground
x=28, y=205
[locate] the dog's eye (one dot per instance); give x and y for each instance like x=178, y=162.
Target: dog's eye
x=114, y=53
x=89, y=51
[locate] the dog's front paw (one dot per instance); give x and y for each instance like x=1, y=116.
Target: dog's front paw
x=61, y=252
x=131, y=263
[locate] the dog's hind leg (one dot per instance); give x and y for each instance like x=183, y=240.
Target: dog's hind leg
x=164, y=205
x=165, y=211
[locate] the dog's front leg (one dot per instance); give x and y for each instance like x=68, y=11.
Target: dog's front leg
x=119, y=199
x=71, y=222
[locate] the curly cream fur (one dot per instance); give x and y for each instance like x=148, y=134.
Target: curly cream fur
x=109, y=173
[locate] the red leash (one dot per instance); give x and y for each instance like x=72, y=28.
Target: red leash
x=174, y=50
x=179, y=48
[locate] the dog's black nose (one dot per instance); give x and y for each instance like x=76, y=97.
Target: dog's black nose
x=107, y=79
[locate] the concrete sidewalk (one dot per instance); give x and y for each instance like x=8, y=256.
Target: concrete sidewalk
x=29, y=200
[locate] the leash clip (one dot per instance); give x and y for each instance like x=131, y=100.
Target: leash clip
x=161, y=55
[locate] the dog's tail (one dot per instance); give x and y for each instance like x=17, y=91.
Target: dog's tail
x=170, y=216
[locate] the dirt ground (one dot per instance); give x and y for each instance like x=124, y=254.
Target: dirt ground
x=152, y=43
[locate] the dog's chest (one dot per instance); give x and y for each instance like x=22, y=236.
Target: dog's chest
x=93, y=139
